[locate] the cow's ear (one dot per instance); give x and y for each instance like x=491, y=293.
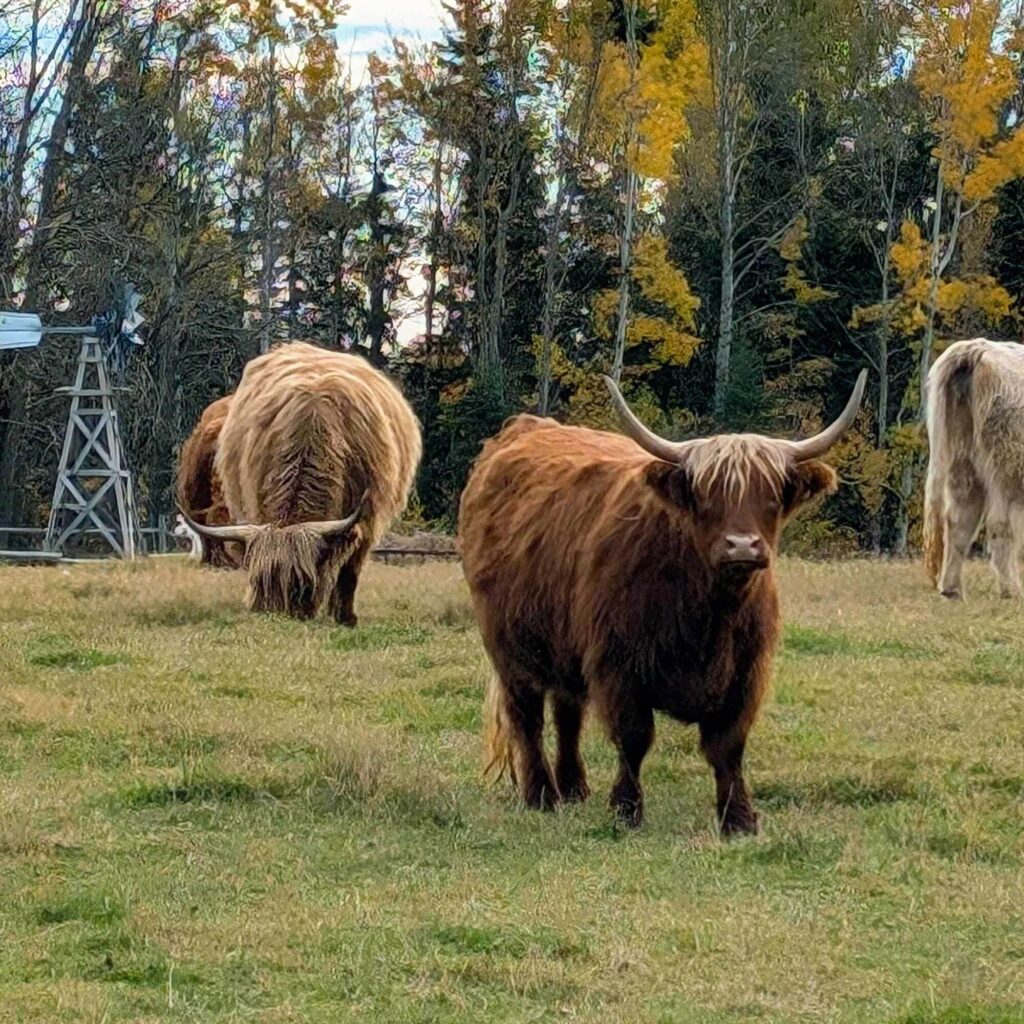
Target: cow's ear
x=806, y=481
x=671, y=482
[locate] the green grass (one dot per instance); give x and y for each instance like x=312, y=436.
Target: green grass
x=211, y=816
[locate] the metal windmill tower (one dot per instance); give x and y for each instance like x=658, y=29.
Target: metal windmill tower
x=93, y=494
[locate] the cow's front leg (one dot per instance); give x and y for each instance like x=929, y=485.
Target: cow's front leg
x=723, y=748
x=341, y=605
x=632, y=731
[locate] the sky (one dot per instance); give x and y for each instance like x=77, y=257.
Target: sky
x=369, y=25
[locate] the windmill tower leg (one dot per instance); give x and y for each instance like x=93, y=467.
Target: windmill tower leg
x=94, y=492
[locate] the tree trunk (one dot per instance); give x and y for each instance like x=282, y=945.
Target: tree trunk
x=937, y=264
x=625, y=268
x=268, y=255
x=726, y=311
x=882, y=414
x=629, y=214
x=376, y=265
x=551, y=253
x=436, y=227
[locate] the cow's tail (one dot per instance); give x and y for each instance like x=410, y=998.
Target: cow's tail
x=498, y=752
x=949, y=412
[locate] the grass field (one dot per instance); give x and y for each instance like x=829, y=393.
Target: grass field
x=211, y=816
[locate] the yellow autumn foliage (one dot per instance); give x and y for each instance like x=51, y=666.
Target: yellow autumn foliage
x=790, y=248
x=969, y=80
x=672, y=71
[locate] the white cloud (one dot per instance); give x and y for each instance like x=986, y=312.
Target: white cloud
x=401, y=17
x=369, y=26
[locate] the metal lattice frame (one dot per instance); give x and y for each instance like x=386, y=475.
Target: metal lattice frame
x=94, y=492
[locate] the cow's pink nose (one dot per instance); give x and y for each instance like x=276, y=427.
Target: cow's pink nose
x=744, y=547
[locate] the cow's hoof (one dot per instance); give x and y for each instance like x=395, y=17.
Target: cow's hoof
x=574, y=791
x=629, y=813
x=541, y=798
x=739, y=824
x=952, y=595
x=348, y=621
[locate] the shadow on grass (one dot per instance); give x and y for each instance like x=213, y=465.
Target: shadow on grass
x=378, y=636
x=963, y=1015
x=841, y=791
x=802, y=640
x=52, y=650
x=340, y=782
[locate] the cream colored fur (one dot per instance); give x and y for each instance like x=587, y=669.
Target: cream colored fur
x=976, y=461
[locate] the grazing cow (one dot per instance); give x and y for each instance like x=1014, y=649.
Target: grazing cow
x=976, y=461
x=316, y=456
x=630, y=574
x=200, y=495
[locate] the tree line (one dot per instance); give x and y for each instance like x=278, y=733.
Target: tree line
x=731, y=206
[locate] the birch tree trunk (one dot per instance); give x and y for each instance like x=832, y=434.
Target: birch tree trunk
x=629, y=213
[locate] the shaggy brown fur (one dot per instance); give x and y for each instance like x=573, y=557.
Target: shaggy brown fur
x=976, y=461
x=310, y=434
x=200, y=495
x=602, y=577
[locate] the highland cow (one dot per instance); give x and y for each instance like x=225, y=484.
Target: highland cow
x=976, y=461
x=630, y=575
x=316, y=457
x=200, y=495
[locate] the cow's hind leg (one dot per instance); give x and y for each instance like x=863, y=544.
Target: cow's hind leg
x=632, y=731
x=569, y=770
x=1002, y=528
x=524, y=707
x=964, y=505
x=723, y=747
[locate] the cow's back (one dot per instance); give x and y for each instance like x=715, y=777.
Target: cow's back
x=199, y=491
x=308, y=432
x=976, y=404
x=556, y=524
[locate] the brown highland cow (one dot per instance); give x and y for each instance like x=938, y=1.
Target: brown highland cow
x=200, y=495
x=975, y=461
x=633, y=575
x=316, y=457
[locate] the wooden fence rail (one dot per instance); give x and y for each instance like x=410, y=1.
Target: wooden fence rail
x=160, y=540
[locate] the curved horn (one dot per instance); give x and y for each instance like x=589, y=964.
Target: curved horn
x=669, y=451
x=241, y=533
x=820, y=443
x=328, y=528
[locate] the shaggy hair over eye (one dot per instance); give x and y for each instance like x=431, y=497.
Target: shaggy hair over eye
x=732, y=461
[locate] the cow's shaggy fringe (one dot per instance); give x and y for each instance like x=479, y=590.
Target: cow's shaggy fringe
x=730, y=462
x=975, y=418
x=310, y=433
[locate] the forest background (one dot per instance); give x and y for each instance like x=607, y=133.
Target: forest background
x=730, y=205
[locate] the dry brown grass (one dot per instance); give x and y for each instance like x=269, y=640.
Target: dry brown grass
x=213, y=816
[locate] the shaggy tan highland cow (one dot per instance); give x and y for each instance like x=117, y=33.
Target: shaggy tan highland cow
x=975, y=462
x=316, y=457
x=200, y=495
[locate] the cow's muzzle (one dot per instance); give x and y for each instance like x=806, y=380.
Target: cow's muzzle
x=743, y=551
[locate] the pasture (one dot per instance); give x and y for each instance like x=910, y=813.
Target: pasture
x=207, y=815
